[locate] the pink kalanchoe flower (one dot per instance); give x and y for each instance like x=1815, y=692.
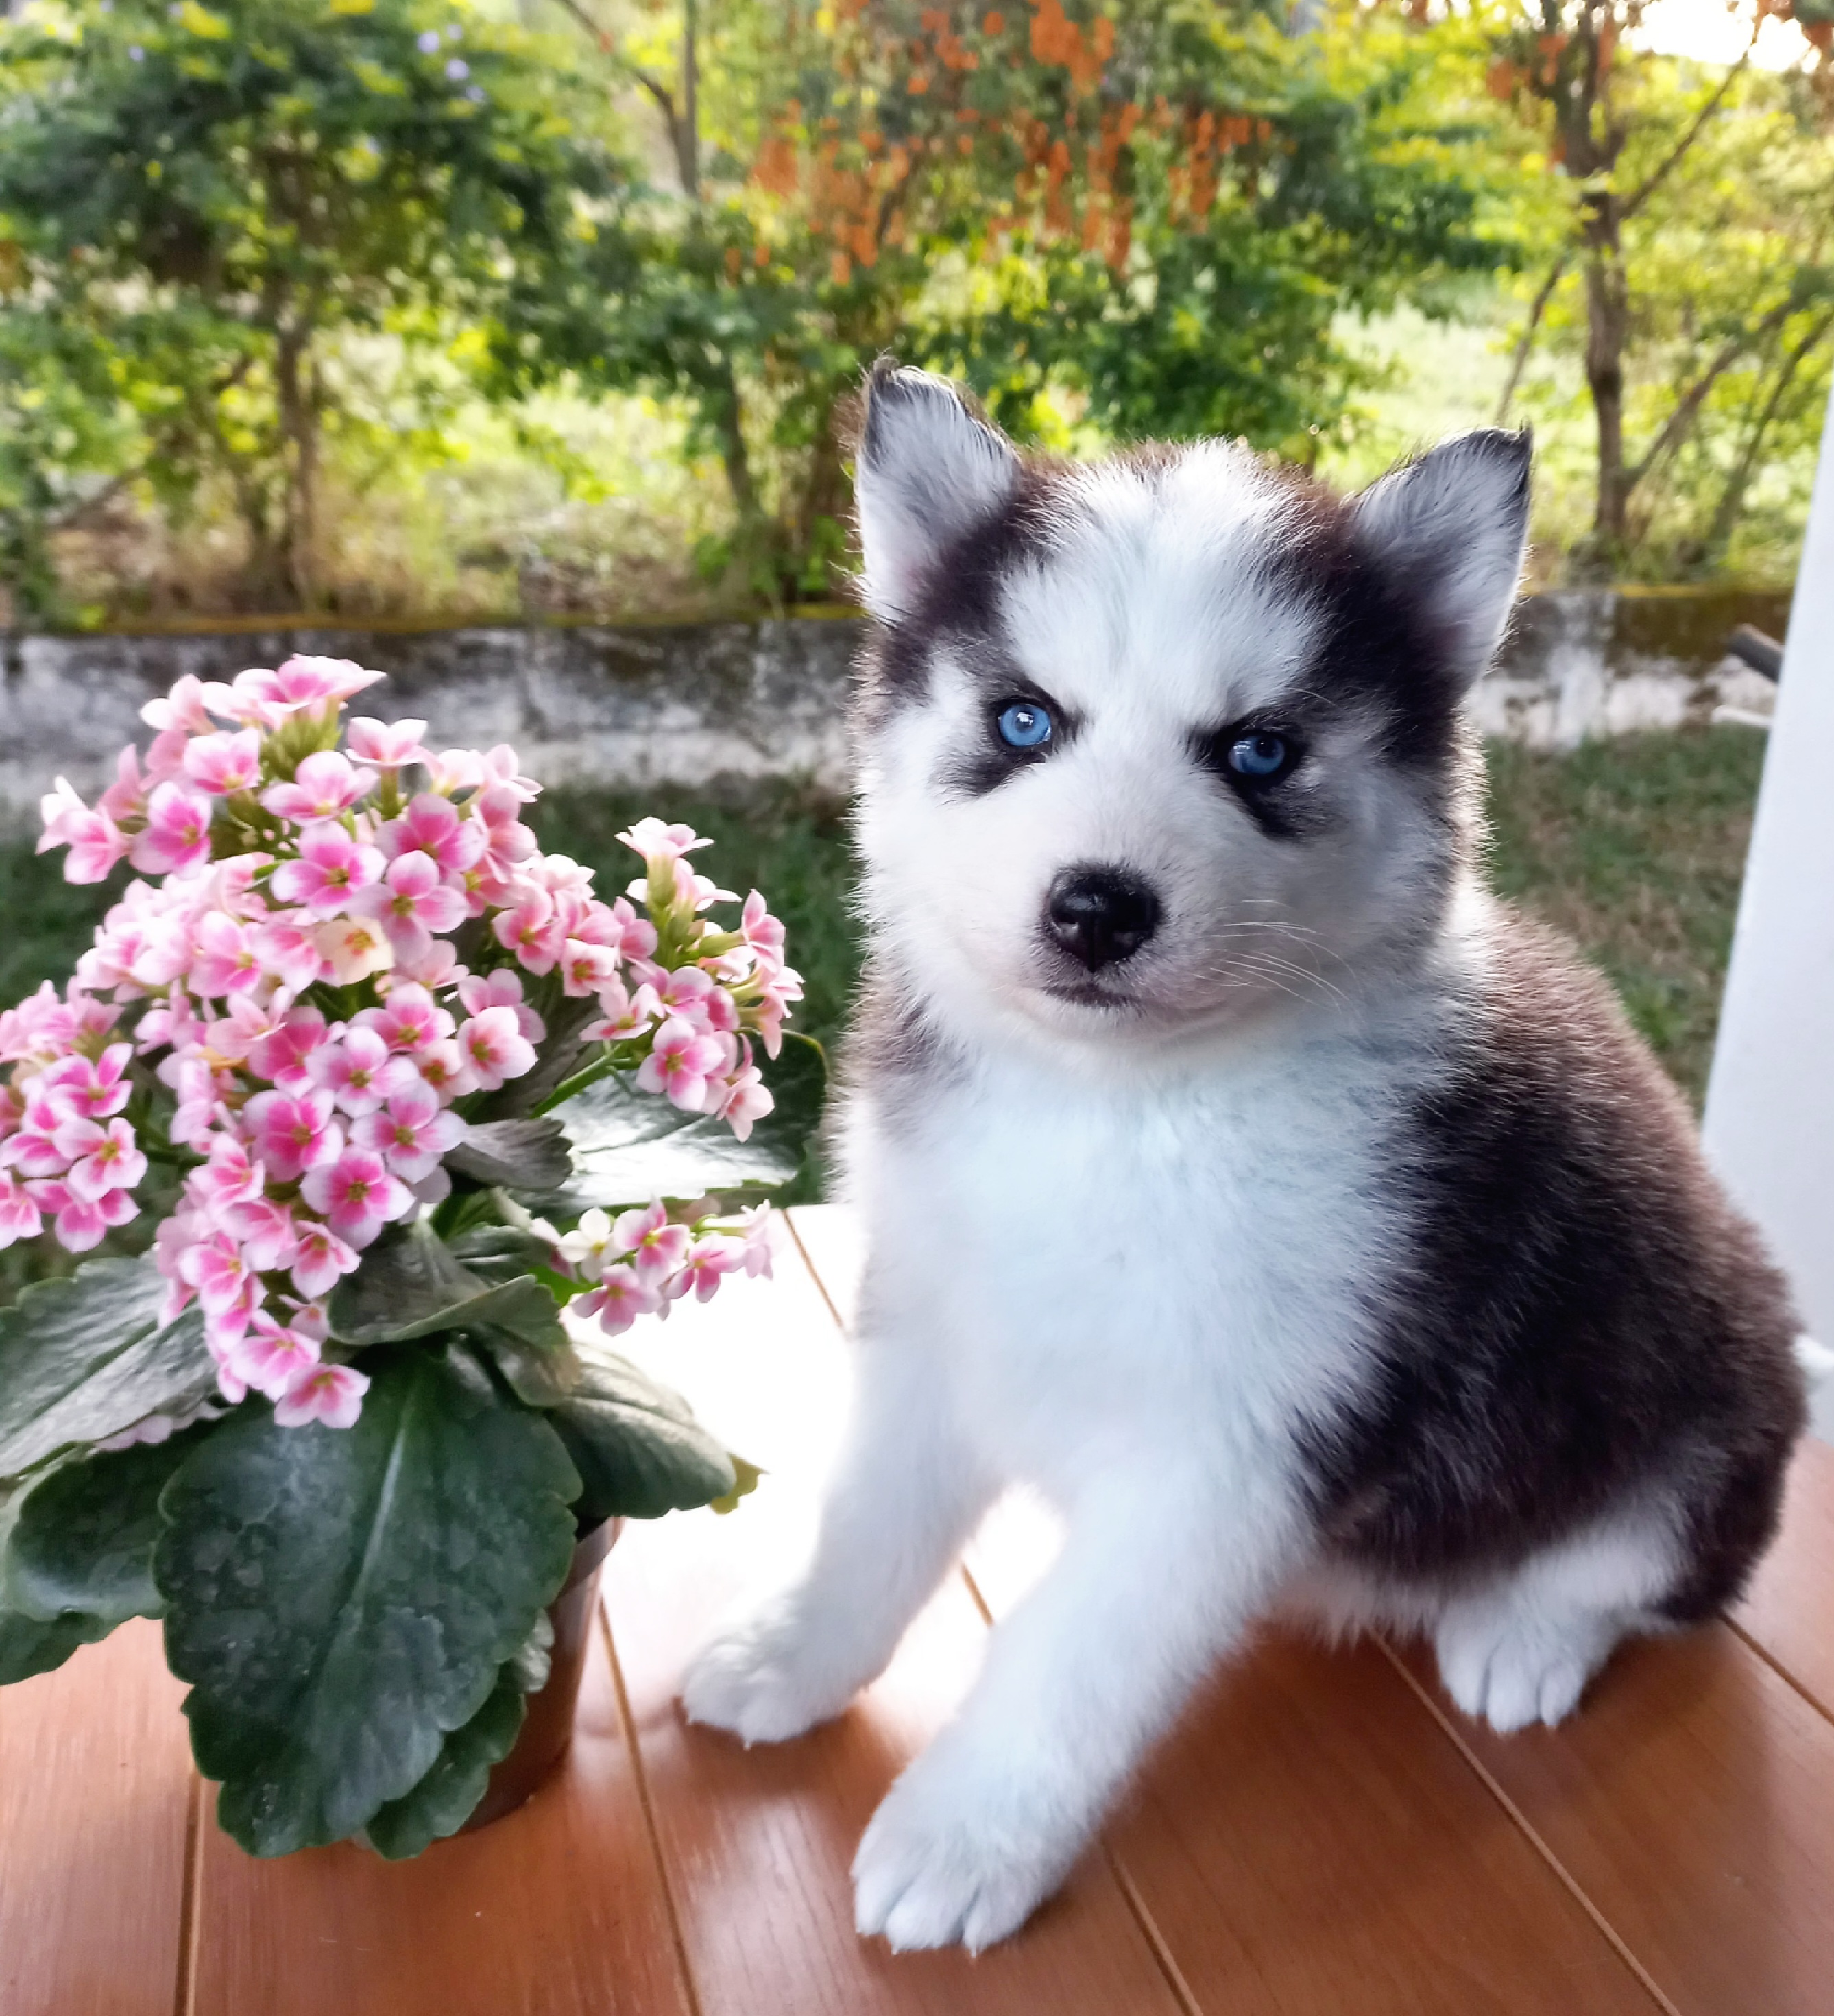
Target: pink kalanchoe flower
x=226, y=1179
x=32, y=1148
x=411, y=903
x=709, y=1261
x=387, y=745
x=331, y=1395
x=265, y=1231
x=442, y=1066
x=652, y=840
x=433, y=826
x=96, y=1090
x=586, y=969
x=494, y=1049
x=20, y=1215
x=286, y=947
x=322, y=1260
x=324, y=786
x=761, y=930
x=533, y=930
x=182, y=709
x=293, y=1132
x=280, y=1056
x=626, y=1015
x=353, y=948
x=503, y=771
x=456, y=770
x=331, y=870
x=507, y=840
x=411, y=1132
x=680, y=1062
x=740, y=1099
x=126, y=798
x=306, y=682
x=359, y=1071
x=215, y=1268
x=81, y=1223
x=224, y=764
x=357, y=1195
x=410, y=1020
x=620, y=1298
x=225, y=958
x=271, y=1355
x=101, y=1158
x=501, y=989
x=95, y=841
x=177, y=835
x=437, y=966
x=657, y=1248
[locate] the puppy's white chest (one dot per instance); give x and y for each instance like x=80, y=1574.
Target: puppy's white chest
x=1125, y=1267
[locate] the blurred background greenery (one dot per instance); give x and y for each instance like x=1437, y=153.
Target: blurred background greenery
x=409, y=308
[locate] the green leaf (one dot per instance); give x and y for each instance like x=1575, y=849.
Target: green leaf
x=542, y=1376
x=30, y=1645
x=82, y=1359
x=638, y=1449
x=517, y=1154
x=630, y=1146
x=414, y=1287
x=82, y=1539
x=341, y=1601
x=499, y=1253
x=447, y=1797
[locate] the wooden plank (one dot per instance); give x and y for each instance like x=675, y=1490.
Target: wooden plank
x=1789, y=1612
x=95, y=1794
x=1693, y=1798
x=1307, y=1840
x=758, y=1843
x=556, y=1910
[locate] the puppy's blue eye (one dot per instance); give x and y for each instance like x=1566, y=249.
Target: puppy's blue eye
x=1260, y=757
x=1024, y=724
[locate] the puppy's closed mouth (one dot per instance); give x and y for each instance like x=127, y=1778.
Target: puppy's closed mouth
x=1087, y=994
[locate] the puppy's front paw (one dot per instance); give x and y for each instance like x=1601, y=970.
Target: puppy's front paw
x=945, y=1861
x=1511, y=1671
x=766, y=1681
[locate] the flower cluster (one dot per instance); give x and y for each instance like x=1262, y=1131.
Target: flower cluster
x=340, y=946
x=639, y=1262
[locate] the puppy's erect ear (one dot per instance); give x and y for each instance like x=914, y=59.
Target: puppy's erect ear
x=927, y=470
x=1450, y=528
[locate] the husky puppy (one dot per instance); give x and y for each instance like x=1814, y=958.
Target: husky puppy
x=1308, y=1227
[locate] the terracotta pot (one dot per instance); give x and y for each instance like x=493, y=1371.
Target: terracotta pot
x=546, y=1727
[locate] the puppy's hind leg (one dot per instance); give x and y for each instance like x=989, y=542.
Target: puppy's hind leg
x=905, y=1497
x=1520, y=1648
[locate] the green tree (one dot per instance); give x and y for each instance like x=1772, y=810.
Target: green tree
x=1684, y=220
x=1158, y=209
x=200, y=206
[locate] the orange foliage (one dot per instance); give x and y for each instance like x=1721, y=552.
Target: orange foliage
x=993, y=25
x=1057, y=39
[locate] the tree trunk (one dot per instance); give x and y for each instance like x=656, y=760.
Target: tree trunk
x=1607, y=333
x=299, y=429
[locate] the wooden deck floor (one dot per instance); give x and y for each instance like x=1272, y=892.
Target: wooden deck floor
x=1324, y=1835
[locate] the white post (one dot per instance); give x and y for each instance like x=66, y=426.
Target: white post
x=1770, y=1104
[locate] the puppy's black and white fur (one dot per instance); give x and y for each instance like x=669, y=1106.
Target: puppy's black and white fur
x=1312, y=1229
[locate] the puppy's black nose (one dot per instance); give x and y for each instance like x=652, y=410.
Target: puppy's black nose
x=1101, y=916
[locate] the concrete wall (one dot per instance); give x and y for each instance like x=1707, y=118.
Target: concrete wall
x=664, y=705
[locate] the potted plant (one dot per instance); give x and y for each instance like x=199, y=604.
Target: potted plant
x=391, y=1122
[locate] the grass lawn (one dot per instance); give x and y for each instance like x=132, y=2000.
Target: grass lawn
x=1634, y=846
